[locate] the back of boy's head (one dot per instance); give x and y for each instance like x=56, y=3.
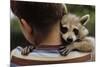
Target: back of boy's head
x=38, y=13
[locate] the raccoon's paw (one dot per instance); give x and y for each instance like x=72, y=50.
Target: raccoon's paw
x=65, y=50
x=25, y=51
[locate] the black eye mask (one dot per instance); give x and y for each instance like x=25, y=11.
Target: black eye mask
x=63, y=29
x=76, y=31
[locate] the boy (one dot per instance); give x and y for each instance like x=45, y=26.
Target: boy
x=39, y=22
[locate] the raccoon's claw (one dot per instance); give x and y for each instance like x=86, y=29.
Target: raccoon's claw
x=27, y=50
x=64, y=51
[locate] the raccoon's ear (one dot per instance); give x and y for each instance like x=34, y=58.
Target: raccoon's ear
x=84, y=19
x=65, y=8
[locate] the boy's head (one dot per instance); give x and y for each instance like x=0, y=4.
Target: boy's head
x=36, y=16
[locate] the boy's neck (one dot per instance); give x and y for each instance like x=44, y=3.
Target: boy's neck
x=53, y=38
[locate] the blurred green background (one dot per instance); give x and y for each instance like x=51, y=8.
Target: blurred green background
x=17, y=38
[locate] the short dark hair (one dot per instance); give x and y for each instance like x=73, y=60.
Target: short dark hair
x=38, y=14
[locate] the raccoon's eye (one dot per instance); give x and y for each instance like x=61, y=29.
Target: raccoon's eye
x=76, y=31
x=64, y=29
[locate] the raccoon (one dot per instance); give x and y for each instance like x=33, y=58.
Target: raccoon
x=74, y=34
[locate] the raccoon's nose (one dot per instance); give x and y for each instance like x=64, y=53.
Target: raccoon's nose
x=70, y=40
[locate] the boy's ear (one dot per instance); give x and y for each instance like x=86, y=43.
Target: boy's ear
x=26, y=30
x=25, y=25
x=84, y=19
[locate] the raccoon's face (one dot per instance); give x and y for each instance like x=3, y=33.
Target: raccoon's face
x=73, y=27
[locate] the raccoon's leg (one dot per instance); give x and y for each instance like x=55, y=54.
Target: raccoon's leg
x=26, y=50
x=86, y=45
